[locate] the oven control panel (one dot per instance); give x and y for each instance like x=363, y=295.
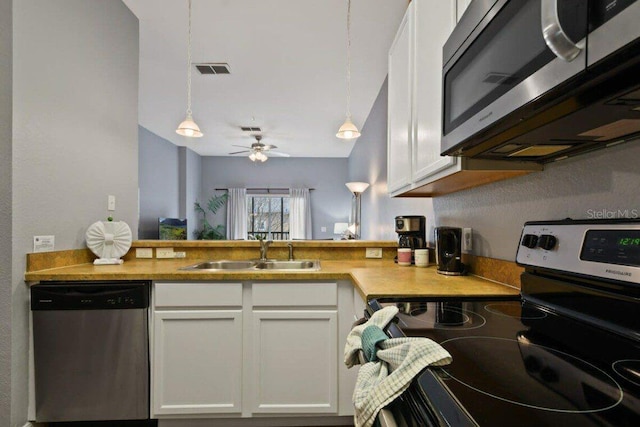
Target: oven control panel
x=604, y=249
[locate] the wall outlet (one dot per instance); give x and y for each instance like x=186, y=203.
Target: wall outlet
x=467, y=240
x=323, y=229
x=144, y=253
x=111, y=203
x=373, y=253
x=165, y=253
x=179, y=254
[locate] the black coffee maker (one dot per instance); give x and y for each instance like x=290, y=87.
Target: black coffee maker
x=449, y=251
x=411, y=231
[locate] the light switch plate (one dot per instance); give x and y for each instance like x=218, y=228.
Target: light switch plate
x=373, y=253
x=144, y=253
x=165, y=253
x=111, y=203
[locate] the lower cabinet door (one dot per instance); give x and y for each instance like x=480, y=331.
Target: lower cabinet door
x=294, y=361
x=197, y=362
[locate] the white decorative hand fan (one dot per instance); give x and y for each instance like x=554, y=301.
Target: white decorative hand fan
x=109, y=241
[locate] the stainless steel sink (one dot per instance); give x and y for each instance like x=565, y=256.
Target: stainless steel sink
x=222, y=265
x=272, y=265
x=290, y=265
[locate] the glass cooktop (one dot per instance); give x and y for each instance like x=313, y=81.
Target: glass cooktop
x=517, y=364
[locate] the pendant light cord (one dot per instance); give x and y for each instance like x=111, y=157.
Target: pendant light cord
x=189, y=65
x=348, y=59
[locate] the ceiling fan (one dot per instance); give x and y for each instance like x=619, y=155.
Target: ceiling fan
x=258, y=151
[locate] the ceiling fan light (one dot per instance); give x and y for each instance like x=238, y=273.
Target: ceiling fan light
x=253, y=157
x=189, y=128
x=348, y=130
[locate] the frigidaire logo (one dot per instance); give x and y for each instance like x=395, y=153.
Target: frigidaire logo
x=618, y=272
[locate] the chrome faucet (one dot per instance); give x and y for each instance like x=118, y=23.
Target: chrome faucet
x=264, y=247
x=290, y=246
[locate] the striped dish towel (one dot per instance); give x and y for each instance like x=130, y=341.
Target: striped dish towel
x=400, y=360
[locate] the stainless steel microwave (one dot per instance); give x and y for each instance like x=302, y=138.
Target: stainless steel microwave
x=541, y=80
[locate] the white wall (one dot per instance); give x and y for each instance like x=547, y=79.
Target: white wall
x=75, y=138
x=5, y=211
x=368, y=162
x=330, y=201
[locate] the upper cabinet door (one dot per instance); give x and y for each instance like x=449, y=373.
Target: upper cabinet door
x=399, y=137
x=434, y=21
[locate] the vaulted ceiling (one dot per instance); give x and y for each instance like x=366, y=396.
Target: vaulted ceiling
x=288, y=63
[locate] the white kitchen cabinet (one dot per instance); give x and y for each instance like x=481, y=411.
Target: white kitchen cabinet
x=434, y=21
x=294, y=361
x=399, y=106
x=414, y=164
x=294, y=348
x=196, y=349
x=251, y=349
x=415, y=96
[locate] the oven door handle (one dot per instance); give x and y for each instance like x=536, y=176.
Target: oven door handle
x=386, y=419
x=554, y=35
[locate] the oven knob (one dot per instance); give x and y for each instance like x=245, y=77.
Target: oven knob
x=530, y=240
x=547, y=241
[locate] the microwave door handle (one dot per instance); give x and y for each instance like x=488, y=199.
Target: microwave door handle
x=554, y=36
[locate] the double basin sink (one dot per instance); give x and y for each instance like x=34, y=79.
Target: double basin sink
x=256, y=265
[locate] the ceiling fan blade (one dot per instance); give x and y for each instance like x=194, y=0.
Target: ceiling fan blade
x=269, y=147
x=238, y=152
x=278, y=154
x=241, y=146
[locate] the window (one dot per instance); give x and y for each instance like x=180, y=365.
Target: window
x=268, y=217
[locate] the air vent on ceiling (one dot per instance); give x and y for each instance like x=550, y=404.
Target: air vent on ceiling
x=250, y=129
x=213, y=68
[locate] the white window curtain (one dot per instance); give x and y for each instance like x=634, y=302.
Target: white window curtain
x=237, y=214
x=299, y=214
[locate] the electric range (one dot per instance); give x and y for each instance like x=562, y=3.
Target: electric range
x=566, y=353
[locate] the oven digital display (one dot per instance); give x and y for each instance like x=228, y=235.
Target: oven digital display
x=620, y=247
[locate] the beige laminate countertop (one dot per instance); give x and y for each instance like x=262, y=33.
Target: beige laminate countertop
x=372, y=278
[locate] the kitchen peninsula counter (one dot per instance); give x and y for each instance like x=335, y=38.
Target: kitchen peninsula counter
x=373, y=278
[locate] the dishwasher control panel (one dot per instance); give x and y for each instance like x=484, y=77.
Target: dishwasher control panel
x=90, y=295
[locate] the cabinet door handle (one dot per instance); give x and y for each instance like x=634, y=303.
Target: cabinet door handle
x=554, y=36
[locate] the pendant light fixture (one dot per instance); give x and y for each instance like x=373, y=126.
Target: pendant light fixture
x=188, y=127
x=348, y=130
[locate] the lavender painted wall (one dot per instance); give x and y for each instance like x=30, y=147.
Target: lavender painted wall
x=330, y=201
x=169, y=178
x=190, y=171
x=368, y=162
x=158, y=178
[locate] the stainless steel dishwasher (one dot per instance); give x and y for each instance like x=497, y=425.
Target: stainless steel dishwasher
x=91, y=351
